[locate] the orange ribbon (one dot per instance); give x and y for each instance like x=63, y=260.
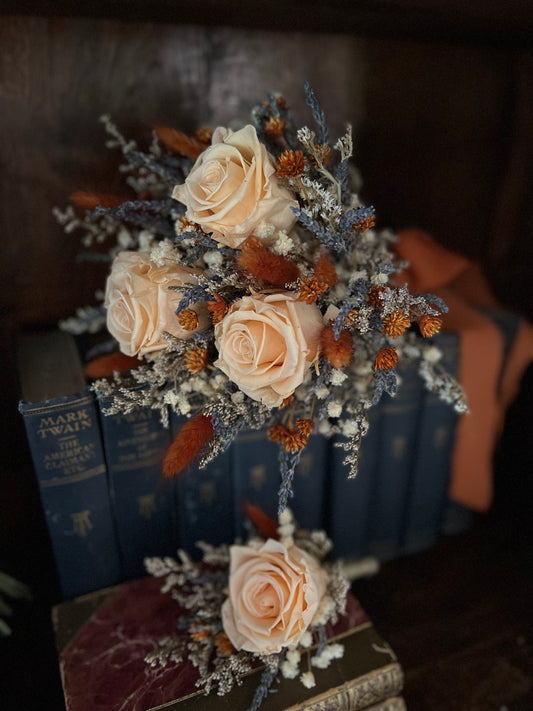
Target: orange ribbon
x=490, y=383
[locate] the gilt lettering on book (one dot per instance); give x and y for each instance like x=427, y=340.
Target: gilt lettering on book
x=256, y=479
x=104, y=637
x=142, y=499
x=61, y=422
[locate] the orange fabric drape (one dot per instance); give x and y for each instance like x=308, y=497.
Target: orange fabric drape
x=489, y=389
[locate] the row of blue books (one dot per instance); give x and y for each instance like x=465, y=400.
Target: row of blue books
x=108, y=507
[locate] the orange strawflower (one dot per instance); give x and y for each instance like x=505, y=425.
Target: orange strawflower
x=351, y=316
x=188, y=319
x=365, y=224
x=304, y=426
x=429, y=325
x=196, y=359
x=373, y=297
x=385, y=359
x=218, y=308
x=339, y=352
x=310, y=289
x=274, y=127
x=394, y=324
x=291, y=440
x=291, y=164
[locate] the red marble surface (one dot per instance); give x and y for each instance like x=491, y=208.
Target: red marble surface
x=103, y=668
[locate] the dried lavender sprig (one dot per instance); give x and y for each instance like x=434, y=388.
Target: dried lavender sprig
x=333, y=240
x=319, y=116
x=288, y=462
x=267, y=679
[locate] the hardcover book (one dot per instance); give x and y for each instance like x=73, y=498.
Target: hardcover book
x=399, y=425
x=61, y=422
x=103, y=638
x=430, y=475
x=204, y=500
x=256, y=479
x=349, y=498
x=142, y=499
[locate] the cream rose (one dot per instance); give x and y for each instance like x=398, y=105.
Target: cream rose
x=274, y=593
x=140, y=306
x=232, y=188
x=265, y=344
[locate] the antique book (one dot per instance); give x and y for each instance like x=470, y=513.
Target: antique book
x=348, y=501
x=203, y=499
x=257, y=479
x=430, y=475
x=61, y=422
x=398, y=431
x=103, y=638
x=142, y=498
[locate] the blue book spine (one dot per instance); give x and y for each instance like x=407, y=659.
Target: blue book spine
x=348, y=505
x=398, y=432
x=68, y=457
x=257, y=479
x=204, y=500
x=142, y=498
x=428, y=486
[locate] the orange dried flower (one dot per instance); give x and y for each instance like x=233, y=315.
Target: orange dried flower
x=429, y=325
x=304, y=426
x=339, y=352
x=291, y=164
x=323, y=153
x=177, y=142
x=351, y=316
x=267, y=266
x=186, y=224
x=274, y=127
x=223, y=644
x=325, y=271
x=288, y=401
x=266, y=526
x=310, y=289
x=188, y=319
x=385, y=359
x=373, y=296
x=291, y=440
x=90, y=201
x=218, y=308
x=196, y=359
x=199, y=635
x=365, y=224
x=204, y=134
x=189, y=441
x=394, y=324
x=106, y=365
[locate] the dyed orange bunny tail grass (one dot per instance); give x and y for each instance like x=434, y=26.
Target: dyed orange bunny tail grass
x=105, y=366
x=266, y=526
x=189, y=441
x=90, y=201
x=325, y=272
x=178, y=142
x=339, y=352
x=267, y=266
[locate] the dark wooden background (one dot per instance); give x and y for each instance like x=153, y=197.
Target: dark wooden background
x=440, y=96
